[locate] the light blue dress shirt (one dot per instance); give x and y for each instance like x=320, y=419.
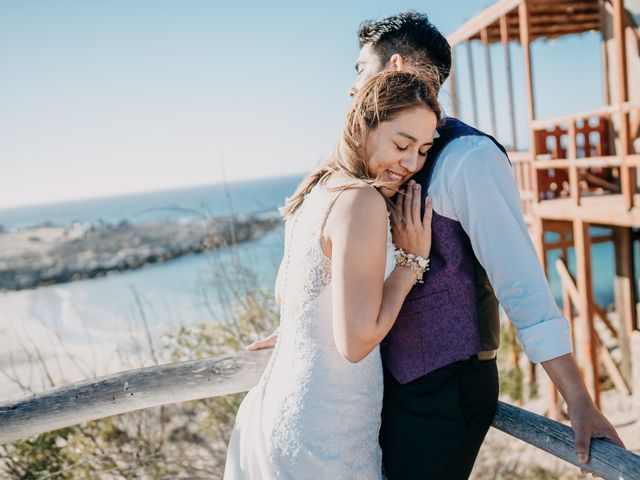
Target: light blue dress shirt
x=473, y=184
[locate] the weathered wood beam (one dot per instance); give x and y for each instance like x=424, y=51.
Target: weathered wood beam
x=585, y=16
x=489, y=73
x=568, y=283
x=574, y=184
x=472, y=84
x=606, y=461
x=582, y=247
x=129, y=391
x=504, y=37
x=600, y=182
x=163, y=384
x=627, y=179
x=606, y=112
x=563, y=6
x=609, y=161
x=453, y=82
x=598, y=209
x=563, y=244
x=544, y=31
x=625, y=294
x=602, y=315
x=525, y=40
x=612, y=369
x=482, y=20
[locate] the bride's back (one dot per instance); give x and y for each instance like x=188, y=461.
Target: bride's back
x=313, y=397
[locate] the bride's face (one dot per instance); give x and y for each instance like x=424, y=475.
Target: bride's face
x=397, y=149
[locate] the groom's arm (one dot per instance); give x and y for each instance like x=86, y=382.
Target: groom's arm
x=475, y=186
x=479, y=191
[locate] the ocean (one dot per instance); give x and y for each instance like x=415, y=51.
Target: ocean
x=182, y=291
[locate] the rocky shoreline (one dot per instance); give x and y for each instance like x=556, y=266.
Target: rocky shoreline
x=40, y=256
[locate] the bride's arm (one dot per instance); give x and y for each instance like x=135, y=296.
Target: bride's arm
x=365, y=306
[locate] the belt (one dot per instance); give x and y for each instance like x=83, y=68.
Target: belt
x=483, y=356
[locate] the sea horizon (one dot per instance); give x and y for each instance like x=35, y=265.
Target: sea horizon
x=249, y=196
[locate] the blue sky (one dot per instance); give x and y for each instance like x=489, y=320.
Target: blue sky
x=102, y=98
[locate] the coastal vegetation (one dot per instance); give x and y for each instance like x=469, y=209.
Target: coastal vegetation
x=185, y=440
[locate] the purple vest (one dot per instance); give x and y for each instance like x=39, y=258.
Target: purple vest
x=454, y=313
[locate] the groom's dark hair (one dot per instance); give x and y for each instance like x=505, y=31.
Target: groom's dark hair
x=412, y=36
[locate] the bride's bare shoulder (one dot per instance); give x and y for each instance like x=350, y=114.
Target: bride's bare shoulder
x=360, y=204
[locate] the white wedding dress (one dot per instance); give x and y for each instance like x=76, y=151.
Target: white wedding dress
x=313, y=415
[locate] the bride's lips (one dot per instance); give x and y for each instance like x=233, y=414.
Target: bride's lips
x=394, y=177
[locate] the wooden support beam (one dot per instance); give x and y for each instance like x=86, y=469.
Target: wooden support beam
x=163, y=384
x=563, y=244
x=607, y=111
x=525, y=40
x=585, y=307
x=627, y=174
x=487, y=62
x=625, y=294
x=455, y=108
x=547, y=434
x=472, y=84
x=602, y=315
x=604, y=52
x=568, y=283
x=130, y=391
x=483, y=20
x=504, y=38
x=635, y=367
x=612, y=369
x=567, y=310
x=574, y=183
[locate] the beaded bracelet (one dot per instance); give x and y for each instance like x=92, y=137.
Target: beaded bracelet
x=416, y=263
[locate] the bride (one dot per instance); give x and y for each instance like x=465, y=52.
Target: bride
x=316, y=411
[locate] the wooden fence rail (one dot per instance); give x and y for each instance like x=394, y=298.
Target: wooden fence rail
x=178, y=382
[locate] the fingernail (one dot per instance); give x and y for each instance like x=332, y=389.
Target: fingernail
x=582, y=458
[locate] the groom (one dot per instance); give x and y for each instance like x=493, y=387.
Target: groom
x=441, y=382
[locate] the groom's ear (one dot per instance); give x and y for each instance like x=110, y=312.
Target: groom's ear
x=397, y=63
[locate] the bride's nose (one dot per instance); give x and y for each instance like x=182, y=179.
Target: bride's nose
x=410, y=162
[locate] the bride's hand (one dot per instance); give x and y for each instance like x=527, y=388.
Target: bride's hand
x=412, y=233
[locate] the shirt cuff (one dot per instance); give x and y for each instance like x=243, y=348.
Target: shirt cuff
x=546, y=340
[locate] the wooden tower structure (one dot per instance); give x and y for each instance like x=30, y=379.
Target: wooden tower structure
x=580, y=169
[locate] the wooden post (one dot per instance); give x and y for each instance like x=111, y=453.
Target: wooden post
x=571, y=155
x=484, y=36
x=472, y=82
x=525, y=41
x=635, y=367
x=625, y=295
x=504, y=37
x=582, y=244
x=627, y=179
x=606, y=64
x=537, y=234
x=454, y=85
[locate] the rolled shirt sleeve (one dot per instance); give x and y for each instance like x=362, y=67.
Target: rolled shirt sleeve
x=476, y=187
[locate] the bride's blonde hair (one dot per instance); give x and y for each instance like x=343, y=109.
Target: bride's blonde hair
x=382, y=98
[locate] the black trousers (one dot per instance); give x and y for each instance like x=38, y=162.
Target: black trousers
x=432, y=428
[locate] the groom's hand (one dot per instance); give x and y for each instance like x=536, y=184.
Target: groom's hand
x=588, y=423
x=267, y=342
x=586, y=419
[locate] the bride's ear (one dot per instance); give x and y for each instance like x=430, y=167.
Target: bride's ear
x=397, y=63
